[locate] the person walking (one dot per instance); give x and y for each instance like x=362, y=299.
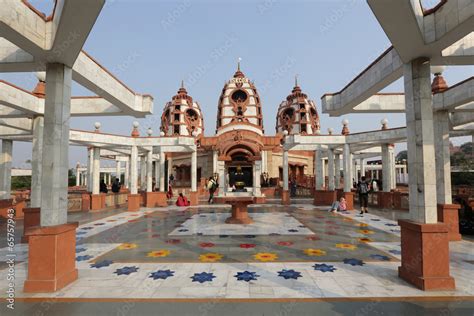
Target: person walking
x=363, y=191
x=212, y=187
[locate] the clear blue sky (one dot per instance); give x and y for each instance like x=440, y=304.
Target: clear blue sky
x=153, y=45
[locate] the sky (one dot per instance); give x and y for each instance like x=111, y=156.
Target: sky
x=152, y=45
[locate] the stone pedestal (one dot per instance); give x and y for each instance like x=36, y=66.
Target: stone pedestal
x=349, y=196
x=97, y=201
x=285, y=197
x=134, y=202
x=52, y=258
x=425, y=255
x=384, y=199
x=260, y=199
x=322, y=197
x=86, y=202
x=155, y=199
x=32, y=219
x=448, y=214
x=193, y=198
x=19, y=209
x=239, y=210
x=5, y=205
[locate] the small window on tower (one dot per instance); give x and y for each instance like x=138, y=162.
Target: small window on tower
x=176, y=117
x=301, y=106
x=177, y=107
x=176, y=129
x=303, y=128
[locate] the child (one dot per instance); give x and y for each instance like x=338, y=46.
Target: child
x=339, y=206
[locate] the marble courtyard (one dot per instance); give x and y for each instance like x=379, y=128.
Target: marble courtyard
x=262, y=240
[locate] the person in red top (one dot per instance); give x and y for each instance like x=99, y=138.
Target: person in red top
x=182, y=200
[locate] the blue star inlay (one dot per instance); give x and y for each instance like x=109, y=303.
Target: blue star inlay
x=293, y=230
x=390, y=224
x=203, y=277
x=375, y=219
x=380, y=257
x=79, y=250
x=80, y=233
x=354, y=262
x=324, y=267
x=126, y=270
x=101, y=264
x=246, y=276
x=87, y=228
x=183, y=230
x=223, y=236
x=289, y=274
x=395, y=252
x=250, y=236
x=161, y=274
x=83, y=258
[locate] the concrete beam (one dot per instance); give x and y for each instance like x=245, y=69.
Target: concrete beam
x=392, y=135
x=382, y=72
x=382, y=103
x=23, y=124
x=461, y=94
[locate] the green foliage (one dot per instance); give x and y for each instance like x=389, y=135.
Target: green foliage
x=402, y=155
x=462, y=178
x=21, y=183
x=71, y=178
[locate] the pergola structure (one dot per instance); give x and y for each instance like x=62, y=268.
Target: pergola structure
x=421, y=39
x=32, y=42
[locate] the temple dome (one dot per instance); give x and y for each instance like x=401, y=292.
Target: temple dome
x=182, y=116
x=297, y=114
x=239, y=106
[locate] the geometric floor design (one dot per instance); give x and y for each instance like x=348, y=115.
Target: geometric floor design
x=132, y=255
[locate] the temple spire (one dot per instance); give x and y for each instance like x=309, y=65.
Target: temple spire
x=296, y=80
x=182, y=84
x=238, y=63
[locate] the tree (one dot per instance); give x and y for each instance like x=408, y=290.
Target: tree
x=402, y=155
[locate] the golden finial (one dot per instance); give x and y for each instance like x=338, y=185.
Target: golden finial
x=238, y=63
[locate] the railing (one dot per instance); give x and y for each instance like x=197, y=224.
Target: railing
x=115, y=199
x=74, y=203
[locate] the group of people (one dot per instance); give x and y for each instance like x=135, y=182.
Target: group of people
x=363, y=188
x=115, y=186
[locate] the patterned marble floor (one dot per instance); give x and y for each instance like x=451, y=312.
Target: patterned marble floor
x=131, y=255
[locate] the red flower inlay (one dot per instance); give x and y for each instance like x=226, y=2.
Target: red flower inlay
x=206, y=244
x=173, y=241
x=285, y=243
x=246, y=246
x=313, y=238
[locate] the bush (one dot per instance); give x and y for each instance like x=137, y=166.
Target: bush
x=462, y=178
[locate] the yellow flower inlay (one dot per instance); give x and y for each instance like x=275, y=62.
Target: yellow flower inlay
x=365, y=231
x=362, y=225
x=158, y=253
x=127, y=246
x=365, y=239
x=210, y=257
x=265, y=256
x=346, y=246
x=314, y=252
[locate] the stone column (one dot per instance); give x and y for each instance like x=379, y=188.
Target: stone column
x=424, y=241
x=36, y=162
x=78, y=175
x=126, y=179
x=96, y=171
x=354, y=170
x=162, y=171
x=285, y=195
x=386, y=169
x=331, y=184
x=149, y=171
x=142, y=173
x=337, y=170
x=134, y=197
x=157, y=175
x=362, y=167
x=118, y=170
x=257, y=172
x=221, y=173
x=194, y=198
x=51, y=261
x=347, y=165
x=318, y=161
x=447, y=211
x=6, y=169
x=215, y=154
x=90, y=163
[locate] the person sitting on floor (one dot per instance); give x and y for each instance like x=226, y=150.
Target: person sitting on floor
x=182, y=200
x=340, y=206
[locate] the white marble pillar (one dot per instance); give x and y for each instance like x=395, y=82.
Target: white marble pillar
x=420, y=141
x=90, y=163
x=78, y=176
x=6, y=169
x=285, y=170
x=331, y=184
x=257, y=172
x=194, y=171
x=222, y=178
x=149, y=171
x=264, y=161
x=355, y=176
x=393, y=184
x=118, y=170
x=126, y=179
x=337, y=170
x=36, y=161
x=96, y=171
x=157, y=174
x=54, y=186
x=318, y=161
x=443, y=160
x=386, y=169
x=347, y=165
x=362, y=167
x=133, y=170
x=142, y=173
x=215, y=154
x=162, y=171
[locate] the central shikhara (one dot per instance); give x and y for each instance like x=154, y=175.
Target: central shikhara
x=240, y=143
